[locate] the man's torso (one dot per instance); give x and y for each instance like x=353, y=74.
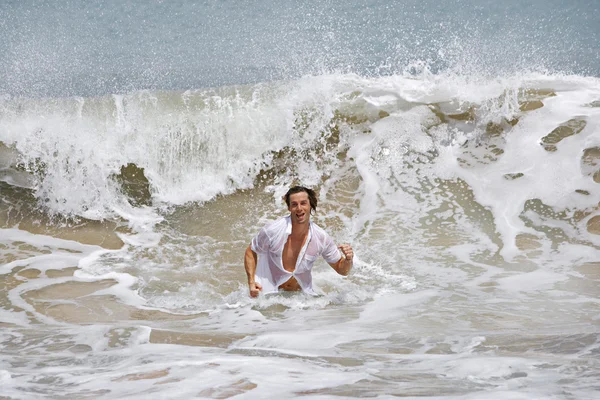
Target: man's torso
x=289, y=258
x=285, y=263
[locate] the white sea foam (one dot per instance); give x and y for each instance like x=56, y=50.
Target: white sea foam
x=457, y=289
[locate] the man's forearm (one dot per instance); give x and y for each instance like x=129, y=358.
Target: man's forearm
x=344, y=266
x=250, y=260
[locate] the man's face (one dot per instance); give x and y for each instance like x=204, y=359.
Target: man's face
x=300, y=207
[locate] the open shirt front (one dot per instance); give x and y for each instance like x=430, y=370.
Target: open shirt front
x=269, y=243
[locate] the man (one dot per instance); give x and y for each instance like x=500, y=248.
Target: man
x=289, y=246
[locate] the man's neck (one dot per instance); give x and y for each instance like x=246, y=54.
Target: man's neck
x=300, y=230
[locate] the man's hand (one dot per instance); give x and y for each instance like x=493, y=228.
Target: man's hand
x=255, y=289
x=344, y=265
x=346, y=250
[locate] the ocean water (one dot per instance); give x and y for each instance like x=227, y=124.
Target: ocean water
x=455, y=145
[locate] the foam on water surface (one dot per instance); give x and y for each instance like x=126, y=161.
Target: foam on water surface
x=454, y=144
x=474, y=275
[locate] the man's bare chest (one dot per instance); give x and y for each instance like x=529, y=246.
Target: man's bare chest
x=291, y=252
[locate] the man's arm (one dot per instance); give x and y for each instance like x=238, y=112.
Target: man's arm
x=344, y=265
x=250, y=260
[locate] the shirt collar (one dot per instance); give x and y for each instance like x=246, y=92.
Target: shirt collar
x=288, y=227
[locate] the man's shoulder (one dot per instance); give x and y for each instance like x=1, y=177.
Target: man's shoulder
x=275, y=225
x=317, y=230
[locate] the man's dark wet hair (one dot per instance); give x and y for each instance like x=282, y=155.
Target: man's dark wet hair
x=312, y=196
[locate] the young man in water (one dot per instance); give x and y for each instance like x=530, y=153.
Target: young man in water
x=289, y=246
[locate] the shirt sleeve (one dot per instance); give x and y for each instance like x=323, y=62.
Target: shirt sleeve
x=260, y=242
x=331, y=254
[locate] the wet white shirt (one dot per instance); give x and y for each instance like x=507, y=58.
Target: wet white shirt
x=269, y=243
